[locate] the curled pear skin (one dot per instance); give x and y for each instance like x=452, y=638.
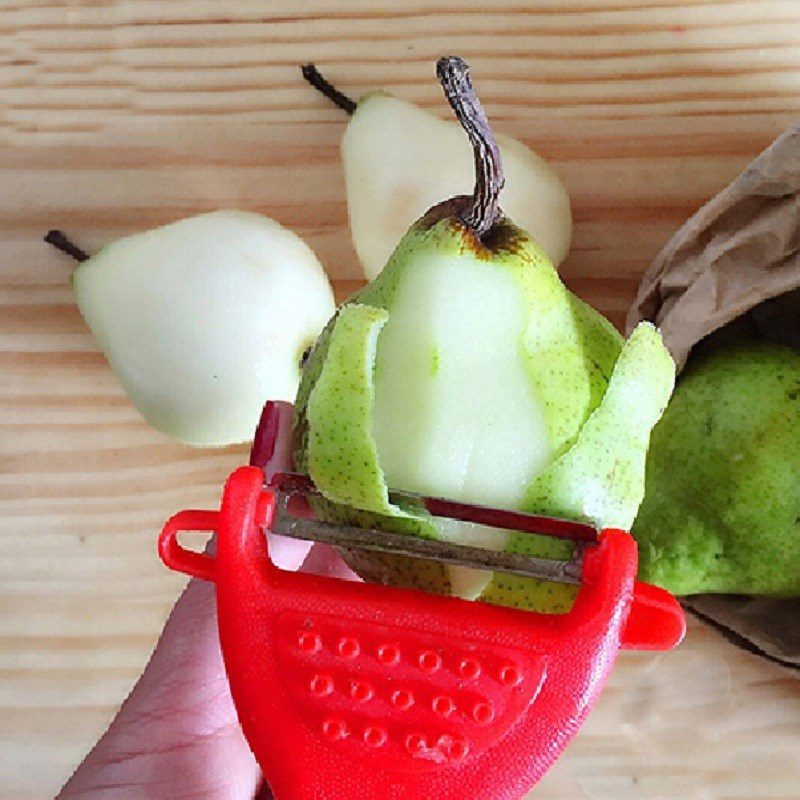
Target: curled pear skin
x=392, y=397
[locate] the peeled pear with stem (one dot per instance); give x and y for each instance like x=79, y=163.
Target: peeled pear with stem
x=399, y=160
x=204, y=319
x=466, y=369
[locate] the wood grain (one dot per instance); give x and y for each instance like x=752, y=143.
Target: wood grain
x=115, y=116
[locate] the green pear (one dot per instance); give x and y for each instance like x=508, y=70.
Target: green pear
x=721, y=511
x=204, y=319
x=399, y=160
x=466, y=369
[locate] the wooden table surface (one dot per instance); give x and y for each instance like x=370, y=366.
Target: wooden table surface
x=116, y=116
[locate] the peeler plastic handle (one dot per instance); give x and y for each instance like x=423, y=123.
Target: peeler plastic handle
x=359, y=691
x=177, y=557
x=655, y=622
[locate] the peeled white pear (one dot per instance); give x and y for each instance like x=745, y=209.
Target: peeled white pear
x=400, y=160
x=205, y=319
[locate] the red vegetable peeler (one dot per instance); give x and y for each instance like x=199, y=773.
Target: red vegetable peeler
x=357, y=691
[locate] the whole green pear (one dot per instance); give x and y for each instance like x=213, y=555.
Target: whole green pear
x=721, y=511
x=466, y=369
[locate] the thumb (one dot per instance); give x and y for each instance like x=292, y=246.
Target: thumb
x=177, y=734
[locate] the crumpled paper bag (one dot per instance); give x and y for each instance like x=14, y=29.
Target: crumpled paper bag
x=733, y=270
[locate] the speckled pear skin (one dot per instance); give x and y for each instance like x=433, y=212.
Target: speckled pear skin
x=570, y=349
x=570, y=352
x=337, y=446
x=403, y=572
x=341, y=449
x=334, y=436
x=600, y=479
x=721, y=511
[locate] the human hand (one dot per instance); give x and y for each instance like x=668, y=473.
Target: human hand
x=177, y=735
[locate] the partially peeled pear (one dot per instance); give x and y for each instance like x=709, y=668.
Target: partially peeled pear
x=399, y=160
x=466, y=369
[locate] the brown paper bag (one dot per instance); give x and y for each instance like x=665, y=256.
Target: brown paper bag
x=733, y=270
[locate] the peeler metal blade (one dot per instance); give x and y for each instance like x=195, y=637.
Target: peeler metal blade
x=294, y=519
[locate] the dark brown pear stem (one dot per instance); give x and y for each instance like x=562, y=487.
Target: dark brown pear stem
x=60, y=241
x=453, y=74
x=322, y=85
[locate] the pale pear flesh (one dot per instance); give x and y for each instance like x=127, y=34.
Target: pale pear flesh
x=455, y=414
x=205, y=319
x=399, y=160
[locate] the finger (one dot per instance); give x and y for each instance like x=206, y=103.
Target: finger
x=177, y=734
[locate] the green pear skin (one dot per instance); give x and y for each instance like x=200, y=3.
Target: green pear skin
x=721, y=511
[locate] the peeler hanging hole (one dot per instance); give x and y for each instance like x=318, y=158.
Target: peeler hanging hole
x=189, y=540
